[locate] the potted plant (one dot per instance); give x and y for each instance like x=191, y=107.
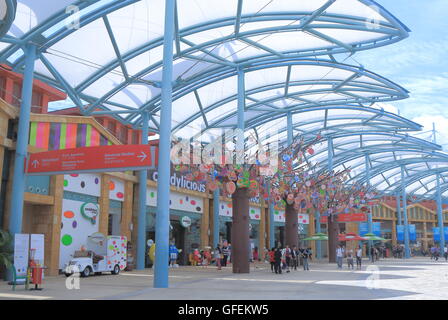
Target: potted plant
x=6, y=253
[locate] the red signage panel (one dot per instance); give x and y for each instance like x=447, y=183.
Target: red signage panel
x=90, y=159
x=346, y=217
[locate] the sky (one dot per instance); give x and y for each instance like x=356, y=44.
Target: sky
x=418, y=63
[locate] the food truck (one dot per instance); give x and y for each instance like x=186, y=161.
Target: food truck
x=102, y=254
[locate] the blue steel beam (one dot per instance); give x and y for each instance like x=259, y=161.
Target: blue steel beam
x=163, y=182
x=19, y=177
x=407, y=252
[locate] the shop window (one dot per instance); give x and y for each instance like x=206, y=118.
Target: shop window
x=16, y=94
x=36, y=102
x=2, y=87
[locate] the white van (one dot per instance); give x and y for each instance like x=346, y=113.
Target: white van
x=103, y=254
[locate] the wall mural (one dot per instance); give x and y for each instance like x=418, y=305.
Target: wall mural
x=87, y=183
x=56, y=136
x=178, y=201
x=116, y=189
x=79, y=220
x=225, y=209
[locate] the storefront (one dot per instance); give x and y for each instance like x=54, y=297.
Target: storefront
x=185, y=221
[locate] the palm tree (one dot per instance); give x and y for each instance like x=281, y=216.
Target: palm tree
x=6, y=253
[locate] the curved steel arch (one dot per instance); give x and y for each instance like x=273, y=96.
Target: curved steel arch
x=9, y=15
x=388, y=31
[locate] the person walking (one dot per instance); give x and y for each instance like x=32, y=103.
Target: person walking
x=294, y=257
x=372, y=254
x=218, y=256
x=445, y=252
x=287, y=253
x=225, y=254
x=350, y=259
x=339, y=256
x=305, y=256
x=358, y=258
x=272, y=259
x=278, y=261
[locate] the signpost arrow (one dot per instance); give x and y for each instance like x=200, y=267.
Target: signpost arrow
x=91, y=159
x=143, y=156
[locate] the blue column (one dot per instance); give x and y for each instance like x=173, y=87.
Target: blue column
x=330, y=154
x=318, y=230
x=215, y=218
x=240, y=116
x=400, y=220
x=407, y=252
x=369, y=214
x=440, y=215
x=143, y=176
x=18, y=183
x=163, y=184
x=271, y=220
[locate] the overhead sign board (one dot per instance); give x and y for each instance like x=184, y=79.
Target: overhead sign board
x=90, y=159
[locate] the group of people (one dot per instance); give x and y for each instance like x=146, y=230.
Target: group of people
x=222, y=254
x=289, y=258
x=342, y=253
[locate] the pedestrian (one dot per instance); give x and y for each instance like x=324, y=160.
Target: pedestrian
x=294, y=257
x=445, y=253
x=305, y=256
x=255, y=254
x=436, y=253
x=278, y=261
x=310, y=251
x=339, y=256
x=372, y=254
x=287, y=252
x=350, y=259
x=358, y=258
x=433, y=252
x=272, y=259
x=225, y=254
x=218, y=256
x=206, y=258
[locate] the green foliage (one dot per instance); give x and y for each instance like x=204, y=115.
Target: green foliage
x=6, y=252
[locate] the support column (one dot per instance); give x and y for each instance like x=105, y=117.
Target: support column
x=311, y=231
x=400, y=220
x=163, y=185
x=205, y=223
x=291, y=226
x=407, y=253
x=104, y=204
x=425, y=237
x=394, y=233
x=262, y=231
x=332, y=225
x=318, y=230
x=216, y=218
x=440, y=215
x=141, y=225
x=18, y=185
x=240, y=231
x=57, y=190
x=369, y=213
x=271, y=220
x=126, y=219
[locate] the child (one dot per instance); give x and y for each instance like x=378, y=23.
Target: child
x=173, y=255
x=196, y=257
x=206, y=258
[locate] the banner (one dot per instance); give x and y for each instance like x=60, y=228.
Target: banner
x=412, y=233
x=364, y=228
x=436, y=232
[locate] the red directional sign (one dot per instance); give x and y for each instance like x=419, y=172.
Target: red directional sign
x=90, y=159
x=346, y=217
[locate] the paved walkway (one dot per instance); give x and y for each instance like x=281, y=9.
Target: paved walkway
x=417, y=278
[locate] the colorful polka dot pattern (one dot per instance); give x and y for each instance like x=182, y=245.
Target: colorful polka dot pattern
x=225, y=209
x=178, y=201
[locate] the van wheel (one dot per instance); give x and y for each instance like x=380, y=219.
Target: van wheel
x=116, y=270
x=86, y=272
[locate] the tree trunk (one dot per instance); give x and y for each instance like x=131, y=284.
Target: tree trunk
x=333, y=231
x=291, y=226
x=240, y=231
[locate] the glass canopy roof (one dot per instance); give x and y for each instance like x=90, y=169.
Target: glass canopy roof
x=107, y=56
